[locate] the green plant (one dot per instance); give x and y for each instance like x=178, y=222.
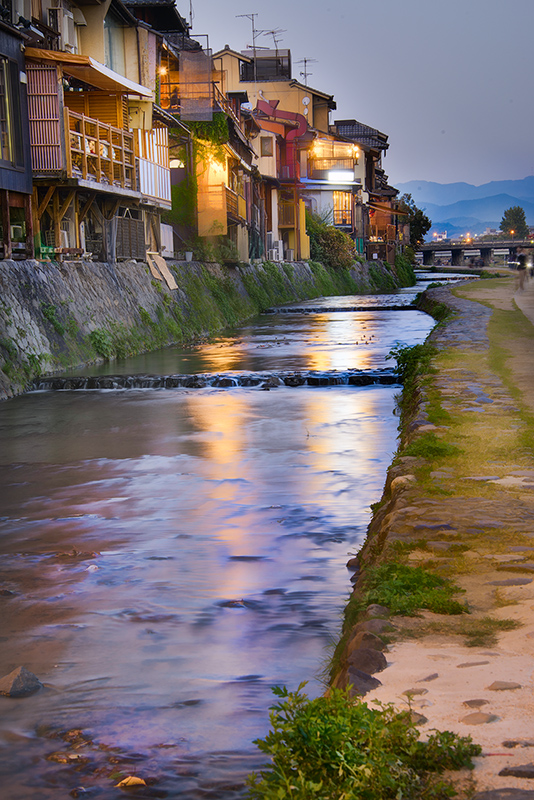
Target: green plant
x=337, y=748
x=102, y=343
x=405, y=590
x=329, y=245
x=428, y=445
x=49, y=312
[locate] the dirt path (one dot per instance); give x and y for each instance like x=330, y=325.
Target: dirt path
x=471, y=518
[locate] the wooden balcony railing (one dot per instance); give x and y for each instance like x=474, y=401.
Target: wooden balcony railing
x=99, y=152
x=236, y=205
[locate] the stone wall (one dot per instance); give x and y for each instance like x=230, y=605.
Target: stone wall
x=55, y=316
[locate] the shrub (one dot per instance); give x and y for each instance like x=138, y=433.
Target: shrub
x=338, y=747
x=329, y=245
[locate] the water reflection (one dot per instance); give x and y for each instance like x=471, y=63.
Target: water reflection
x=167, y=557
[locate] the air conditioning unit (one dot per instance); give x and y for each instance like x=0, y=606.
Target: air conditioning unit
x=289, y=255
x=17, y=232
x=269, y=241
x=273, y=255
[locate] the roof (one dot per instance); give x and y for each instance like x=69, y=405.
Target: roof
x=90, y=71
x=227, y=50
x=357, y=131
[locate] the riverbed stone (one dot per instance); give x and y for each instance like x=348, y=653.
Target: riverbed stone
x=20, y=683
x=374, y=625
x=476, y=703
x=361, y=682
x=365, y=639
x=367, y=660
x=376, y=610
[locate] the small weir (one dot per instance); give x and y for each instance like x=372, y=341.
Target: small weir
x=385, y=377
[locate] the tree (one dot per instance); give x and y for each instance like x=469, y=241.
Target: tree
x=417, y=219
x=513, y=222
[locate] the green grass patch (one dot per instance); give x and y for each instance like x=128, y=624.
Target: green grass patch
x=338, y=747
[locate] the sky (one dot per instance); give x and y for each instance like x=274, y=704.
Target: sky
x=449, y=81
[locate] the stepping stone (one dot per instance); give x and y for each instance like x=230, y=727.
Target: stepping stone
x=475, y=703
x=415, y=692
x=429, y=678
x=511, y=582
x=418, y=719
x=519, y=771
x=471, y=664
x=518, y=743
x=501, y=686
x=20, y=683
x=479, y=718
x=505, y=794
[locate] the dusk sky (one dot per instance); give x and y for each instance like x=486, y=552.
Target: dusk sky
x=451, y=83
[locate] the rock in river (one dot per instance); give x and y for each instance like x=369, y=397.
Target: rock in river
x=19, y=683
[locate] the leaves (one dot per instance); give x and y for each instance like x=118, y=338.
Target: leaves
x=337, y=747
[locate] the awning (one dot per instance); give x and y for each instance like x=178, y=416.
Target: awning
x=90, y=71
x=387, y=209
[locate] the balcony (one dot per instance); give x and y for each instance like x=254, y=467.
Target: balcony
x=287, y=172
x=99, y=152
x=236, y=205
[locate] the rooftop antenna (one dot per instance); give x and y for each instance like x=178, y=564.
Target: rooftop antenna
x=191, y=15
x=255, y=34
x=276, y=37
x=305, y=73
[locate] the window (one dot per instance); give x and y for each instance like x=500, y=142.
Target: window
x=342, y=208
x=266, y=146
x=10, y=119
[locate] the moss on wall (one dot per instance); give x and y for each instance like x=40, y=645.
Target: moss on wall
x=57, y=316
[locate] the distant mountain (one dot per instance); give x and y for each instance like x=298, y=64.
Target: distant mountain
x=443, y=194
x=462, y=207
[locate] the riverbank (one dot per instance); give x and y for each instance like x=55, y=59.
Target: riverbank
x=54, y=317
x=459, y=502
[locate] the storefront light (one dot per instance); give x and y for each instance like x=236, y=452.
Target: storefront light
x=341, y=176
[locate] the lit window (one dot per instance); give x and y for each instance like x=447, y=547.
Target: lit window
x=266, y=146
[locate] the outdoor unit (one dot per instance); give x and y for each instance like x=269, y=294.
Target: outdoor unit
x=273, y=255
x=279, y=245
x=289, y=255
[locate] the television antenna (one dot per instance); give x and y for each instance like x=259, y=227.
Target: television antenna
x=255, y=34
x=276, y=36
x=305, y=72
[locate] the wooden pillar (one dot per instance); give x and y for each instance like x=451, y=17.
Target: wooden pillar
x=28, y=215
x=6, y=224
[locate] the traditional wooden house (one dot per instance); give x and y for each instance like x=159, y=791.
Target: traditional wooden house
x=15, y=166
x=383, y=226
x=99, y=144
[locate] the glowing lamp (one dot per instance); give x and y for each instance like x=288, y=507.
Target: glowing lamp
x=341, y=176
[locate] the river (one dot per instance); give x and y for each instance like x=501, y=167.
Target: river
x=168, y=555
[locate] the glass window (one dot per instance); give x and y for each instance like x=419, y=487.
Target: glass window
x=266, y=146
x=5, y=122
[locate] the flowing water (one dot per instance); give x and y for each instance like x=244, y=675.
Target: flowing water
x=167, y=556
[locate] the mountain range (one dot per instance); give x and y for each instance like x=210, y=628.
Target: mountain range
x=459, y=208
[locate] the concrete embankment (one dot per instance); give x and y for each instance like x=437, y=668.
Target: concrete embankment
x=459, y=503
x=57, y=316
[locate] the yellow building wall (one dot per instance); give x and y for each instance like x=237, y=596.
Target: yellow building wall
x=304, y=238
x=91, y=36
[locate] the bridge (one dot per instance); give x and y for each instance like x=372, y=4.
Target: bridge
x=459, y=252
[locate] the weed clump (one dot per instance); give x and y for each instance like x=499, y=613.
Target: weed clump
x=338, y=747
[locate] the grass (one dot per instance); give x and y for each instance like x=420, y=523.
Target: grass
x=477, y=631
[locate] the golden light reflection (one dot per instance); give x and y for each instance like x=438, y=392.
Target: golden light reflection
x=333, y=328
